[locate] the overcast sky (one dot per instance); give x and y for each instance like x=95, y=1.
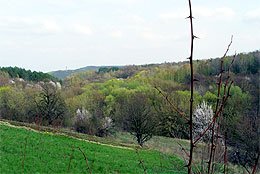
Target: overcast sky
x=47, y=35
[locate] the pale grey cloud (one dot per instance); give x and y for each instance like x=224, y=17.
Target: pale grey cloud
x=135, y=18
x=225, y=13
x=159, y=36
x=82, y=29
x=51, y=25
x=154, y=36
x=178, y=14
x=253, y=14
x=34, y=25
x=116, y=34
x=15, y=20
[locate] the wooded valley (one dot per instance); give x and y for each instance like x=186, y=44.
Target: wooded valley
x=111, y=100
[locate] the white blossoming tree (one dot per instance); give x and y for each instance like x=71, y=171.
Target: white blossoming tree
x=203, y=116
x=91, y=124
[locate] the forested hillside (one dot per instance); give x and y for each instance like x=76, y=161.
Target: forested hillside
x=62, y=74
x=15, y=72
x=108, y=100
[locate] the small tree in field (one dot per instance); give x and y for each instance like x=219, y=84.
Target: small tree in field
x=140, y=118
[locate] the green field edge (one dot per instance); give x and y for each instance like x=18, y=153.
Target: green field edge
x=72, y=134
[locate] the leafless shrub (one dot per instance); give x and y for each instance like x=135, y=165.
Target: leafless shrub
x=204, y=132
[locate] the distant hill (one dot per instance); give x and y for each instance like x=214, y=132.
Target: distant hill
x=62, y=74
x=16, y=72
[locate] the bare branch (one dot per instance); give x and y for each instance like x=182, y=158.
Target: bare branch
x=141, y=162
x=184, y=150
x=166, y=98
x=220, y=117
x=256, y=162
x=26, y=141
x=216, y=115
x=225, y=153
x=85, y=160
x=246, y=169
x=191, y=89
x=228, y=47
x=70, y=160
x=212, y=149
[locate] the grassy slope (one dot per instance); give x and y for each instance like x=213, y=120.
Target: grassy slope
x=171, y=146
x=110, y=151
x=50, y=153
x=164, y=144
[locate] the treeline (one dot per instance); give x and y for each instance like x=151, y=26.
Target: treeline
x=15, y=72
x=106, y=69
x=245, y=64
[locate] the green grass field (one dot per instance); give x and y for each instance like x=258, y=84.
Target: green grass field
x=26, y=151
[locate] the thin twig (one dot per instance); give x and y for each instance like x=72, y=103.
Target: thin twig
x=85, y=160
x=228, y=47
x=191, y=89
x=184, y=150
x=221, y=115
x=70, y=160
x=256, y=162
x=246, y=169
x=216, y=115
x=42, y=142
x=219, y=162
x=225, y=154
x=141, y=162
x=171, y=103
x=179, y=167
x=26, y=141
x=161, y=162
x=213, y=146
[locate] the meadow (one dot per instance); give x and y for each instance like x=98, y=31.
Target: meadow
x=29, y=151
